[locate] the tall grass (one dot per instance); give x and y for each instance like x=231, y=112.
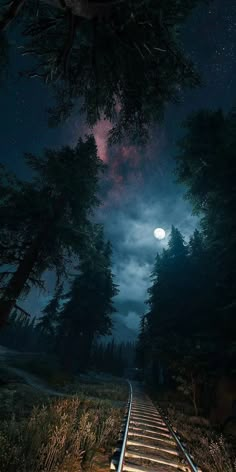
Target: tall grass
x=211, y=451
x=63, y=436
x=110, y=391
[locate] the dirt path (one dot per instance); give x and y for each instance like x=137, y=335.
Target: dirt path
x=7, y=355
x=36, y=382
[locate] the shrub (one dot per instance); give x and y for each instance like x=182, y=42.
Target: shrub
x=211, y=451
x=64, y=435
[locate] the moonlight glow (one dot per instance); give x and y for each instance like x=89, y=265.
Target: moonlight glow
x=159, y=233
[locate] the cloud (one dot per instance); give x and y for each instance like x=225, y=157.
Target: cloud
x=127, y=164
x=132, y=321
x=139, y=194
x=133, y=280
x=129, y=224
x=100, y=132
x=126, y=327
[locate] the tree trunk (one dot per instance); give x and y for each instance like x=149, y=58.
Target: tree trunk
x=18, y=280
x=84, y=351
x=11, y=14
x=20, y=277
x=194, y=395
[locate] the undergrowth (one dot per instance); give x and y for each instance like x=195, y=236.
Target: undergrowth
x=107, y=390
x=62, y=436
x=211, y=450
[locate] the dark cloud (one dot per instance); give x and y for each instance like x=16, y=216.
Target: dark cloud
x=153, y=201
x=138, y=190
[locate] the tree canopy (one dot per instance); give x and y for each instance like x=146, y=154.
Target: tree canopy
x=50, y=314
x=50, y=216
x=118, y=60
x=190, y=324
x=206, y=165
x=180, y=332
x=89, y=305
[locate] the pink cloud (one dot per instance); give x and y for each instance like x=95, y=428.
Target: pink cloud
x=101, y=131
x=126, y=164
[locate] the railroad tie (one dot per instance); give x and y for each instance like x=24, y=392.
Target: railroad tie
x=148, y=442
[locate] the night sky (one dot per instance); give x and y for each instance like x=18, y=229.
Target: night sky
x=139, y=191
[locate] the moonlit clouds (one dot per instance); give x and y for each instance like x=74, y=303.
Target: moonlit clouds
x=138, y=197
x=125, y=327
x=129, y=225
x=133, y=277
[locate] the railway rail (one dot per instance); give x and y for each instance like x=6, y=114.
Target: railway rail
x=148, y=442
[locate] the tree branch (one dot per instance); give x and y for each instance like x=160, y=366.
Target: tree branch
x=73, y=23
x=35, y=30
x=24, y=312
x=11, y=14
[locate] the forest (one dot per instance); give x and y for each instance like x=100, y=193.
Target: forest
x=189, y=327
x=63, y=373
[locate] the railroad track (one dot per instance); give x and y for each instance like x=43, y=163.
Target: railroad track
x=148, y=442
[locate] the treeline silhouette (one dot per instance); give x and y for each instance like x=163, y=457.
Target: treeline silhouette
x=113, y=358
x=27, y=335
x=46, y=225
x=89, y=57
x=188, y=335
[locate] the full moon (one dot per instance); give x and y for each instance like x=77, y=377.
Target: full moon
x=159, y=233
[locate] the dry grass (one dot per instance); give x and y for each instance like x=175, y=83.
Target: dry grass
x=63, y=436
x=41, y=434
x=211, y=451
x=114, y=392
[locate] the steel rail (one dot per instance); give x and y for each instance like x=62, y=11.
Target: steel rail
x=186, y=455
x=122, y=454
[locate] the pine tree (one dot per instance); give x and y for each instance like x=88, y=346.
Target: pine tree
x=167, y=294
x=196, y=246
x=91, y=51
x=51, y=214
x=176, y=246
x=143, y=354
x=202, y=287
x=50, y=317
x=206, y=165
x=87, y=312
x=182, y=322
